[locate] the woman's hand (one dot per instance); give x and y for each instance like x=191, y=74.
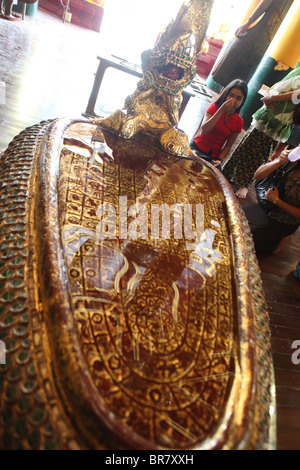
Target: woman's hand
x=280, y=147
x=216, y=162
x=267, y=168
x=242, y=29
x=271, y=195
x=284, y=156
x=227, y=105
x=267, y=100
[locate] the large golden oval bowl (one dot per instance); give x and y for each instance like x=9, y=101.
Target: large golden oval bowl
x=133, y=298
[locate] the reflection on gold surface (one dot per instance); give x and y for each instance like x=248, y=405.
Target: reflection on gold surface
x=146, y=309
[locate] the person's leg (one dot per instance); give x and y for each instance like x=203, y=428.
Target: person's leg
x=259, y=225
x=193, y=146
x=253, y=150
x=267, y=232
x=205, y=156
x=8, y=4
x=6, y=11
x=242, y=192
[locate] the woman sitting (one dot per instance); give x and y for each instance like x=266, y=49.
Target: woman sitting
x=268, y=229
x=268, y=134
x=221, y=124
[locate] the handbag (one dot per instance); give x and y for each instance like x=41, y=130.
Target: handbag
x=278, y=179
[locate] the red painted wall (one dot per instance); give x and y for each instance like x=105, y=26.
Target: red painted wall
x=84, y=14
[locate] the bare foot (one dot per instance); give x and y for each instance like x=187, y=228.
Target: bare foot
x=216, y=162
x=10, y=17
x=242, y=192
x=280, y=244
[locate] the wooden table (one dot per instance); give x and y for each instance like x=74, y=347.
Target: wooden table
x=124, y=66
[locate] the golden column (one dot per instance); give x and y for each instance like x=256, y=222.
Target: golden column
x=285, y=47
x=251, y=8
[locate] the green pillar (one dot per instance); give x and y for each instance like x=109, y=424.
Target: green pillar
x=30, y=9
x=264, y=75
x=210, y=83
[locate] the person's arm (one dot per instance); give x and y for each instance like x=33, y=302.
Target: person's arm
x=261, y=8
x=198, y=130
x=271, y=100
x=279, y=148
x=267, y=168
x=227, y=147
x=272, y=195
x=210, y=121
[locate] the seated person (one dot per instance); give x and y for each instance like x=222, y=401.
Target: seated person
x=268, y=229
x=221, y=124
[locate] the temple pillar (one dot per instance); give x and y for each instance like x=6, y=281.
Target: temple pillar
x=210, y=83
x=241, y=56
x=284, y=49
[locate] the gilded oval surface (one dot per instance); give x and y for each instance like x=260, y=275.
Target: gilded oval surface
x=149, y=268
